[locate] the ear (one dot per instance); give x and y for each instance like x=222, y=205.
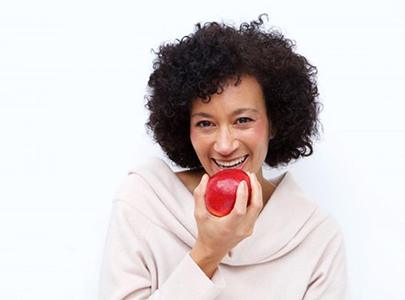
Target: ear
x=272, y=134
x=272, y=130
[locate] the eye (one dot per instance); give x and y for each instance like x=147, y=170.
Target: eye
x=203, y=124
x=244, y=120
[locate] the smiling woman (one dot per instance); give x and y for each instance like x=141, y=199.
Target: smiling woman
x=225, y=98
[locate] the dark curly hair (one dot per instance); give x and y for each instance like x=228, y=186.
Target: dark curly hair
x=200, y=64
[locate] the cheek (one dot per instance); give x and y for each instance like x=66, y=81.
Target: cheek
x=193, y=134
x=261, y=133
x=197, y=141
x=258, y=133
x=193, y=139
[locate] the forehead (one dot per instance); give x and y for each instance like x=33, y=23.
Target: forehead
x=247, y=94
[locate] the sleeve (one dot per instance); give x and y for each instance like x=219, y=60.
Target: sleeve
x=329, y=280
x=125, y=273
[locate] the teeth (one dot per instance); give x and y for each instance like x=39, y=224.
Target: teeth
x=227, y=164
x=234, y=163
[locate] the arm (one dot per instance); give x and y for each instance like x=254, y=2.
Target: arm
x=125, y=273
x=329, y=280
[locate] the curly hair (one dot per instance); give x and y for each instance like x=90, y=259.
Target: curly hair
x=200, y=64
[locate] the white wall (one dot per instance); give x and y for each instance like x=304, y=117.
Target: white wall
x=72, y=84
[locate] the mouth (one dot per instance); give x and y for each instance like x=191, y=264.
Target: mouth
x=236, y=163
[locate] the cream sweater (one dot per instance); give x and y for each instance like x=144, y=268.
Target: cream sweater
x=296, y=250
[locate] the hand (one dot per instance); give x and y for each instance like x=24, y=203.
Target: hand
x=218, y=235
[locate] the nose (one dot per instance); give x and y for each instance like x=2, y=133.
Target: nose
x=225, y=142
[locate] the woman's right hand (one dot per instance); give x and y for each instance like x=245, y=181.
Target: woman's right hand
x=218, y=235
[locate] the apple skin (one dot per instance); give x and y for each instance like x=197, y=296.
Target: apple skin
x=220, y=195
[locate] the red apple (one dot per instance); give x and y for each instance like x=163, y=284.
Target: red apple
x=221, y=190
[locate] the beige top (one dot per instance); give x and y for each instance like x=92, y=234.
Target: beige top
x=295, y=252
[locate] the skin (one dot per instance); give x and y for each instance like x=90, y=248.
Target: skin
x=217, y=132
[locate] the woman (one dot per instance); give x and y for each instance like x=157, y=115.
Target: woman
x=225, y=97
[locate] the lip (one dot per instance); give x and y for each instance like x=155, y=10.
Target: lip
x=216, y=168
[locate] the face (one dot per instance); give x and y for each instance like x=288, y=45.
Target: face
x=231, y=130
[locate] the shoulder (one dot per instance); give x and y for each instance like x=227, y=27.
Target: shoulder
x=143, y=180
x=149, y=188
x=133, y=190
x=328, y=226
x=316, y=225
x=324, y=235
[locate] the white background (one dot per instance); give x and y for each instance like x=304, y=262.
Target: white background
x=73, y=77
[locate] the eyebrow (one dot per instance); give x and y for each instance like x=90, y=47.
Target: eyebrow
x=235, y=112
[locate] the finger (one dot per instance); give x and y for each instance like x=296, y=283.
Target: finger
x=199, y=195
x=256, y=199
x=241, y=200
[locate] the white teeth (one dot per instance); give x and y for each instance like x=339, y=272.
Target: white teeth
x=234, y=163
x=227, y=164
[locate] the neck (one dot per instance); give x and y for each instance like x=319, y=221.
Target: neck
x=267, y=187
